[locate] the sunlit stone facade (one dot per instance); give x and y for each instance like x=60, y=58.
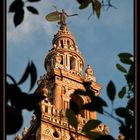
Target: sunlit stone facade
x=64, y=66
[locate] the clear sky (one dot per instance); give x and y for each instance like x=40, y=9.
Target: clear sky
x=100, y=41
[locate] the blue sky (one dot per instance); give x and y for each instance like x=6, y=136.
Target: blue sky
x=100, y=41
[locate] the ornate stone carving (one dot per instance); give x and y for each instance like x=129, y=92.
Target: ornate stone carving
x=89, y=74
x=18, y=137
x=25, y=130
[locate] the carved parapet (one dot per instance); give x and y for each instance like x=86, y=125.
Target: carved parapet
x=18, y=137
x=104, y=129
x=25, y=130
x=33, y=120
x=121, y=137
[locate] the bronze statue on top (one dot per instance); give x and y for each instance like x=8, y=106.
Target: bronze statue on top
x=58, y=16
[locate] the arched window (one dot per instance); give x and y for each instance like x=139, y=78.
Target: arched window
x=59, y=59
x=72, y=63
x=76, y=103
x=68, y=42
x=55, y=134
x=62, y=45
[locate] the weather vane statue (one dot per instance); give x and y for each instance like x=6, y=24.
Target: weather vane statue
x=59, y=16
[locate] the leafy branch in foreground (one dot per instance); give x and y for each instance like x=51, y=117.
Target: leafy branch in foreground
x=17, y=7
x=16, y=100
x=127, y=113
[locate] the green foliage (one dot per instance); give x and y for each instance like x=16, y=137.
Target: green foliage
x=97, y=7
x=122, y=112
x=72, y=119
x=34, y=0
x=125, y=58
x=17, y=7
x=96, y=103
x=30, y=70
x=84, y=4
x=111, y=91
x=92, y=135
x=20, y=100
x=91, y=124
x=125, y=55
x=121, y=68
x=17, y=98
x=32, y=10
x=122, y=92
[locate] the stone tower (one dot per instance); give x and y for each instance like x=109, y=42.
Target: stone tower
x=64, y=73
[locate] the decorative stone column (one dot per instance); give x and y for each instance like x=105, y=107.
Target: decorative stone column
x=57, y=98
x=92, y=115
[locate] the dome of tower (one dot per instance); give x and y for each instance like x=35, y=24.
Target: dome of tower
x=65, y=53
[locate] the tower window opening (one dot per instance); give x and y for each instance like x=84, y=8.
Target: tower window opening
x=74, y=107
x=76, y=103
x=72, y=63
x=68, y=42
x=46, y=109
x=71, y=138
x=55, y=134
x=59, y=59
x=62, y=45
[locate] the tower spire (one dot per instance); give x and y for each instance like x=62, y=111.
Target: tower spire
x=59, y=16
x=64, y=66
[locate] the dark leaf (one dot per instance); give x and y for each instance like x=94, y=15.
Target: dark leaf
x=25, y=75
x=111, y=91
x=90, y=93
x=16, y=6
x=72, y=120
x=97, y=7
x=122, y=92
x=127, y=132
x=81, y=1
x=32, y=10
x=84, y=4
x=32, y=101
x=96, y=105
x=33, y=73
x=93, y=6
x=105, y=137
x=132, y=69
x=122, y=112
x=13, y=80
x=90, y=125
x=80, y=91
x=13, y=120
x=125, y=55
x=13, y=92
x=131, y=104
x=121, y=68
x=18, y=17
x=126, y=60
x=87, y=85
x=99, y=100
x=92, y=135
x=130, y=78
x=33, y=0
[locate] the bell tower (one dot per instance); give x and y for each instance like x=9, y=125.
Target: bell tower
x=64, y=66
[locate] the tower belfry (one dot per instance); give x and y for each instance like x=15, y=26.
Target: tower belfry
x=64, y=66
